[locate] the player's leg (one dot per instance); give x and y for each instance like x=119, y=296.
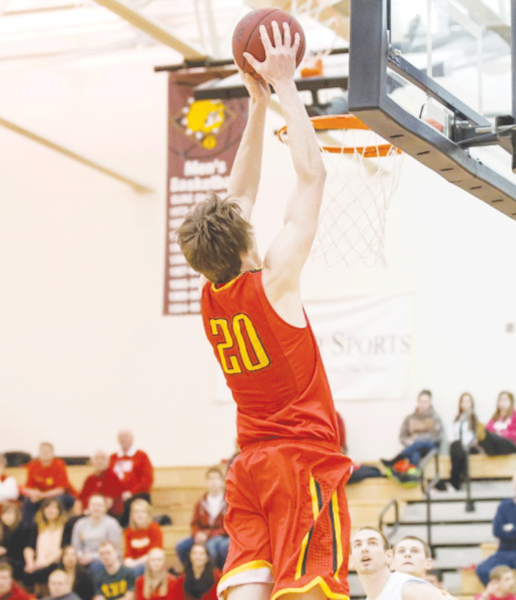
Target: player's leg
x=315, y=593
x=250, y=591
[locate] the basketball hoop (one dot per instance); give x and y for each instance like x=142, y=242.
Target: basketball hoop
x=363, y=173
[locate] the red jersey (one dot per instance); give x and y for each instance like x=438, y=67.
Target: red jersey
x=48, y=477
x=274, y=369
x=107, y=484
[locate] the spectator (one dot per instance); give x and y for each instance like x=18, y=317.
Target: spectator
x=421, y=432
x=200, y=578
x=8, y=589
x=89, y=532
x=141, y=536
x=60, y=586
x=156, y=583
x=134, y=470
x=8, y=486
x=80, y=580
x=46, y=478
x=342, y=433
x=102, y=481
x=44, y=549
x=504, y=528
x=206, y=525
x=13, y=538
x=499, y=435
x=501, y=581
x=463, y=439
x=114, y=580
x=436, y=578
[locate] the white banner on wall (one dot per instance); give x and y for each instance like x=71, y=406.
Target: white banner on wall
x=365, y=345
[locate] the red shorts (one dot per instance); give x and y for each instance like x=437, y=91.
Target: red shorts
x=288, y=518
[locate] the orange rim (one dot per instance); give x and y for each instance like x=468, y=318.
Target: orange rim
x=327, y=122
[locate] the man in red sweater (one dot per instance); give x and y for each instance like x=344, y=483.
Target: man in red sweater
x=102, y=481
x=46, y=478
x=8, y=589
x=134, y=470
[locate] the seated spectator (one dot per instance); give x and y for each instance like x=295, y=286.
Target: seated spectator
x=8, y=589
x=60, y=586
x=206, y=525
x=200, y=578
x=89, y=532
x=411, y=555
x=8, y=486
x=156, y=583
x=114, y=580
x=134, y=470
x=504, y=528
x=463, y=439
x=436, y=578
x=421, y=432
x=501, y=582
x=13, y=538
x=45, y=542
x=80, y=580
x=499, y=435
x=141, y=536
x=46, y=478
x=102, y=481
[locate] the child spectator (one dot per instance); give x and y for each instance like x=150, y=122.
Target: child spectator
x=501, y=581
x=463, y=439
x=134, y=470
x=206, y=524
x=114, y=581
x=504, y=528
x=13, y=538
x=200, y=578
x=8, y=486
x=44, y=549
x=60, y=587
x=421, y=432
x=80, y=580
x=46, y=478
x=8, y=589
x=156, y=583
x=89, y=532
x=102, y=481
x=141, y=536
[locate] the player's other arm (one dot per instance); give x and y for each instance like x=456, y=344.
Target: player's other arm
x=289, y=251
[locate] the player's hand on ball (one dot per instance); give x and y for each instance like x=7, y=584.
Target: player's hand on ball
x=257, y=87
x=280, y=57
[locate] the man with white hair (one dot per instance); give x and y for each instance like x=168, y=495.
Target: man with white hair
x=372, y=557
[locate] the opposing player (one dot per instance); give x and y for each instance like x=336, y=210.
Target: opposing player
x=371, y=558
x=411, y=555
x=287, y=515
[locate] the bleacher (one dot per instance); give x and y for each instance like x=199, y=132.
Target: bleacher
x=176, y=489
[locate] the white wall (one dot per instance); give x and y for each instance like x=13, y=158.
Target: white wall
x=84, y=349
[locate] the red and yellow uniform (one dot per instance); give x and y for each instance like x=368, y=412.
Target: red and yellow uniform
x=287, y=514
x=48, y=477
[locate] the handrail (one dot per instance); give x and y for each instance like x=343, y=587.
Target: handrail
x=470, y=505
x=427, y=488
x=394, y=502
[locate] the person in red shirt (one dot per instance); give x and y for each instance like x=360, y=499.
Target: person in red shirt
x=46, y=478
x=287, y=518
x=207, y=522
x=200, y=578
x=134, y=470
x=141, y=536
x=102, y=482
x=156, y=583
x=8, y=589
x=501, y=582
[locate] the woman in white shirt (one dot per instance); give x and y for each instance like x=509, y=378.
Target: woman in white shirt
x=463, y=439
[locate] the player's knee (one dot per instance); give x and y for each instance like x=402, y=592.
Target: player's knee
x=250, y=591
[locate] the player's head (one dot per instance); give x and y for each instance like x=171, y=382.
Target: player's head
x=411, y=555
x=370, y=551
x=213, y=238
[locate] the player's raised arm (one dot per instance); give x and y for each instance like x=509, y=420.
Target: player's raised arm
x=287, y=254
x=245, y=174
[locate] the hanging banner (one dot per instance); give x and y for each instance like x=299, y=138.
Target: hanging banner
x=203, y=137
x=365, y=345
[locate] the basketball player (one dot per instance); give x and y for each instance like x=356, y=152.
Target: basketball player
x=371, y=558
x=412, y=556
x=287, y=515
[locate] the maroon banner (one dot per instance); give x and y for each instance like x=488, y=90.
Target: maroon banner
x=203, y=137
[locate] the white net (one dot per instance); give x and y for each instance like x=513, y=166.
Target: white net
x=320, y=22
x=363, y=173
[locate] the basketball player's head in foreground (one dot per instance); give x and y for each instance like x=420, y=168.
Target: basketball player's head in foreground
x=372, y=559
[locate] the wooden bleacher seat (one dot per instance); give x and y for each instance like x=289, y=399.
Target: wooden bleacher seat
x=488, y=549
x=481, y=466
x=382, y=490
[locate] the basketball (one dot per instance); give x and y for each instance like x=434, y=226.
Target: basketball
x=246, y=37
